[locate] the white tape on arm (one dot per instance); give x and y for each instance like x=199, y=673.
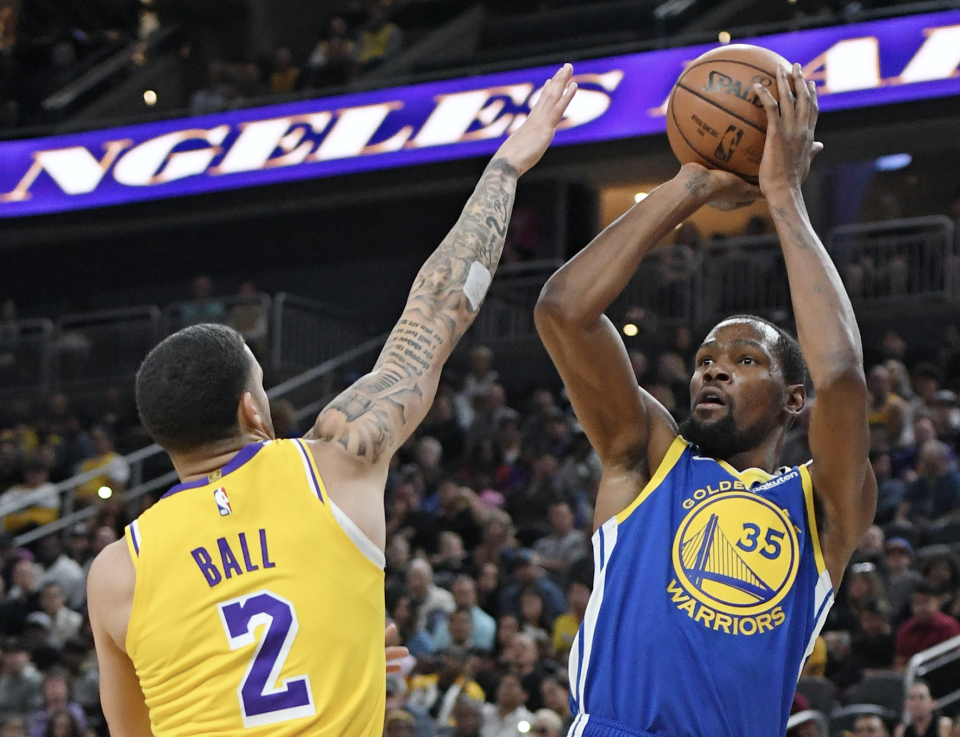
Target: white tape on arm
x=477, y=284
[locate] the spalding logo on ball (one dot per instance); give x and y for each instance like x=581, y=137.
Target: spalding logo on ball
x=714, y=116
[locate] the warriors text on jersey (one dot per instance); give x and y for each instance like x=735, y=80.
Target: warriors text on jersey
x=709, y=592
x=258, y=606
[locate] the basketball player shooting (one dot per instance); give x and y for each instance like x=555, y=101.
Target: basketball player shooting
x=714, y=571
x=249, y=599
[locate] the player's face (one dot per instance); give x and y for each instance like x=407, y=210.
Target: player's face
x=259, y=393
x=737, y=394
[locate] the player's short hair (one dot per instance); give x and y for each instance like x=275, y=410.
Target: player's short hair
x=189, y=387
x=787, y=349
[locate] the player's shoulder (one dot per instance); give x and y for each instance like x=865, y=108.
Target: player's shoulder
x=110, y=587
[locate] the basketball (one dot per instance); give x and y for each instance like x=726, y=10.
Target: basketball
x=715, y=117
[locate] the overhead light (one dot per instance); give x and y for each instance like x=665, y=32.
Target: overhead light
x=724, y=37
x=150, y=97
x=523, y=727
x=104, y=492
x=640, y=197
x=630, y=330
x=893, y=162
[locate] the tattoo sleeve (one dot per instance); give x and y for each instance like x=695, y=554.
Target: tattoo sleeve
x=375, y=415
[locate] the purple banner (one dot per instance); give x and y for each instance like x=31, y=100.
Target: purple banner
x=858, y=65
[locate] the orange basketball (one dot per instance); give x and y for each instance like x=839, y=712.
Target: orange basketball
x=714, y=116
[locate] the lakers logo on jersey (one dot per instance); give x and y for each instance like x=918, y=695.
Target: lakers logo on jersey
x=735, y=556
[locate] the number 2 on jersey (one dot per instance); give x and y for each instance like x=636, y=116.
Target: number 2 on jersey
x=261, y=700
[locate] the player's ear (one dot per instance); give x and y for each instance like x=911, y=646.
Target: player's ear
x=249, y=417
x=796, y=396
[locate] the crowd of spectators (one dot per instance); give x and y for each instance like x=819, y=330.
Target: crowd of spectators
x=489, y=568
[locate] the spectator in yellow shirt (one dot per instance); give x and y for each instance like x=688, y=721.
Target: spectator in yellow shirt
x=116, y=471
x=565, y=626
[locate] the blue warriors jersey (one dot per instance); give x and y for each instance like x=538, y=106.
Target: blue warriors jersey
x=258, y=608
x=709, y=593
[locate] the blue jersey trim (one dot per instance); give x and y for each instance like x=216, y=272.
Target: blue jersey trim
x=600, y=530
x=242, y=456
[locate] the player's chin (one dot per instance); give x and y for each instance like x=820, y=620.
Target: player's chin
x=707, y=414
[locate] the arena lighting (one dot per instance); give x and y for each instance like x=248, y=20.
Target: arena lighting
x=893, y=162
x=150, y=97
x=639, y=197
x=857, y=65
x=104, y=492
x=724, y=37
x=630, y=330
x=523, y=727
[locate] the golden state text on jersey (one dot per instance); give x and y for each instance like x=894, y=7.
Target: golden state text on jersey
x=709, y=592
x=258, y=606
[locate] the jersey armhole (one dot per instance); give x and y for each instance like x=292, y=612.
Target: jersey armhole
x=674, y=452
x=364, y=544
x=134, y=547
x=807, y=482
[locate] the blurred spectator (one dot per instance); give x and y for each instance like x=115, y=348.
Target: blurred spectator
x=497, y=537
x=404, y=613
x=250, y=318
x=945, y=412
x=503, y=718
x=563, y=545
x=870, y=725
x=63, y=724
x=58, y=568
x=378, y=39
x=437, y=692
x=927, y=627
x=936, y=491
x=203, y=308
x=460, y=511
x=216, y=96
x=36, y=491
x=65, y=623
x=524, y=658
x=441, y=423
x=477, y=382
x=484, y=626
x=873, y=645
x=556, y=697
x=284, y=420
x=20, y=682
x=56, y=698
x=885, y=408
x=546, y=724
x=890, y=491
x=924, y=719
x=528, y=573
x=285, y=77
x=566, y=626
x=901, y=578
x=14, y=727
x=433, y=604
x=332, y=62
x=116, y=470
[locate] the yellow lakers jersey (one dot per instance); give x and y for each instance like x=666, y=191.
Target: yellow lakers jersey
x=258, y=607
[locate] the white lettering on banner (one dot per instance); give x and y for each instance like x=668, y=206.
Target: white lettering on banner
x=258, y=140
x=74, y=169
x=141, y=166
x=849, y=65
x=454, y=114
x=938, y=58
x=353, y=130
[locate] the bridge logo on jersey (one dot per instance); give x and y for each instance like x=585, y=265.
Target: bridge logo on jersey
x=735, y=557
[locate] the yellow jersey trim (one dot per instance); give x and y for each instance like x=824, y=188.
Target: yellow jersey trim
x=807, y=481
x=749, y=476
x=666, y=466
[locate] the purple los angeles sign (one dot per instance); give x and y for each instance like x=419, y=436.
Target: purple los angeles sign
x=857, y=65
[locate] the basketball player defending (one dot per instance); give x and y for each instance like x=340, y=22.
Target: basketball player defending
x=249, y=599
x=714, y=571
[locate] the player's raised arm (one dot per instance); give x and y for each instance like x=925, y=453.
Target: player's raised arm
x=372, y=418
x=826, y=326
x=629, y=429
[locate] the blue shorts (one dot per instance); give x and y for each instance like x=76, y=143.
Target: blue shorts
x=600, y=727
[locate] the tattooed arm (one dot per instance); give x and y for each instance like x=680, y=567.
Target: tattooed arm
x=826, y=326
x=370, y=420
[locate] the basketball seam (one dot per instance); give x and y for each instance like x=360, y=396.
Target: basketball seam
x=729, y=61
x=718, y=107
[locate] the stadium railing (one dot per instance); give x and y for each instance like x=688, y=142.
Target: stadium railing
x=507, y=313
x=25, y=358
x=939, y=666
x=100, y=349
x=320, y=381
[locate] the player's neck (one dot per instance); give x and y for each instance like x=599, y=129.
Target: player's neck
x=765, y=456
x=201, y=462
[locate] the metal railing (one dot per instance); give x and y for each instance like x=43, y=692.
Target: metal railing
x=322, y=383
x=249, y=315
x=306, y=331
x=897, y=259
x=939, y=666
x=103, y=348
x=507, y=312
x=25, y=357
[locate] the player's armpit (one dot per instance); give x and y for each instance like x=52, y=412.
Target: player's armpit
x=110, y=596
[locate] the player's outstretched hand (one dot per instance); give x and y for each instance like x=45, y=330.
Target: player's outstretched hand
x=528, y=143
x=718, y=189
x=790, y=147
x=395, y=653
